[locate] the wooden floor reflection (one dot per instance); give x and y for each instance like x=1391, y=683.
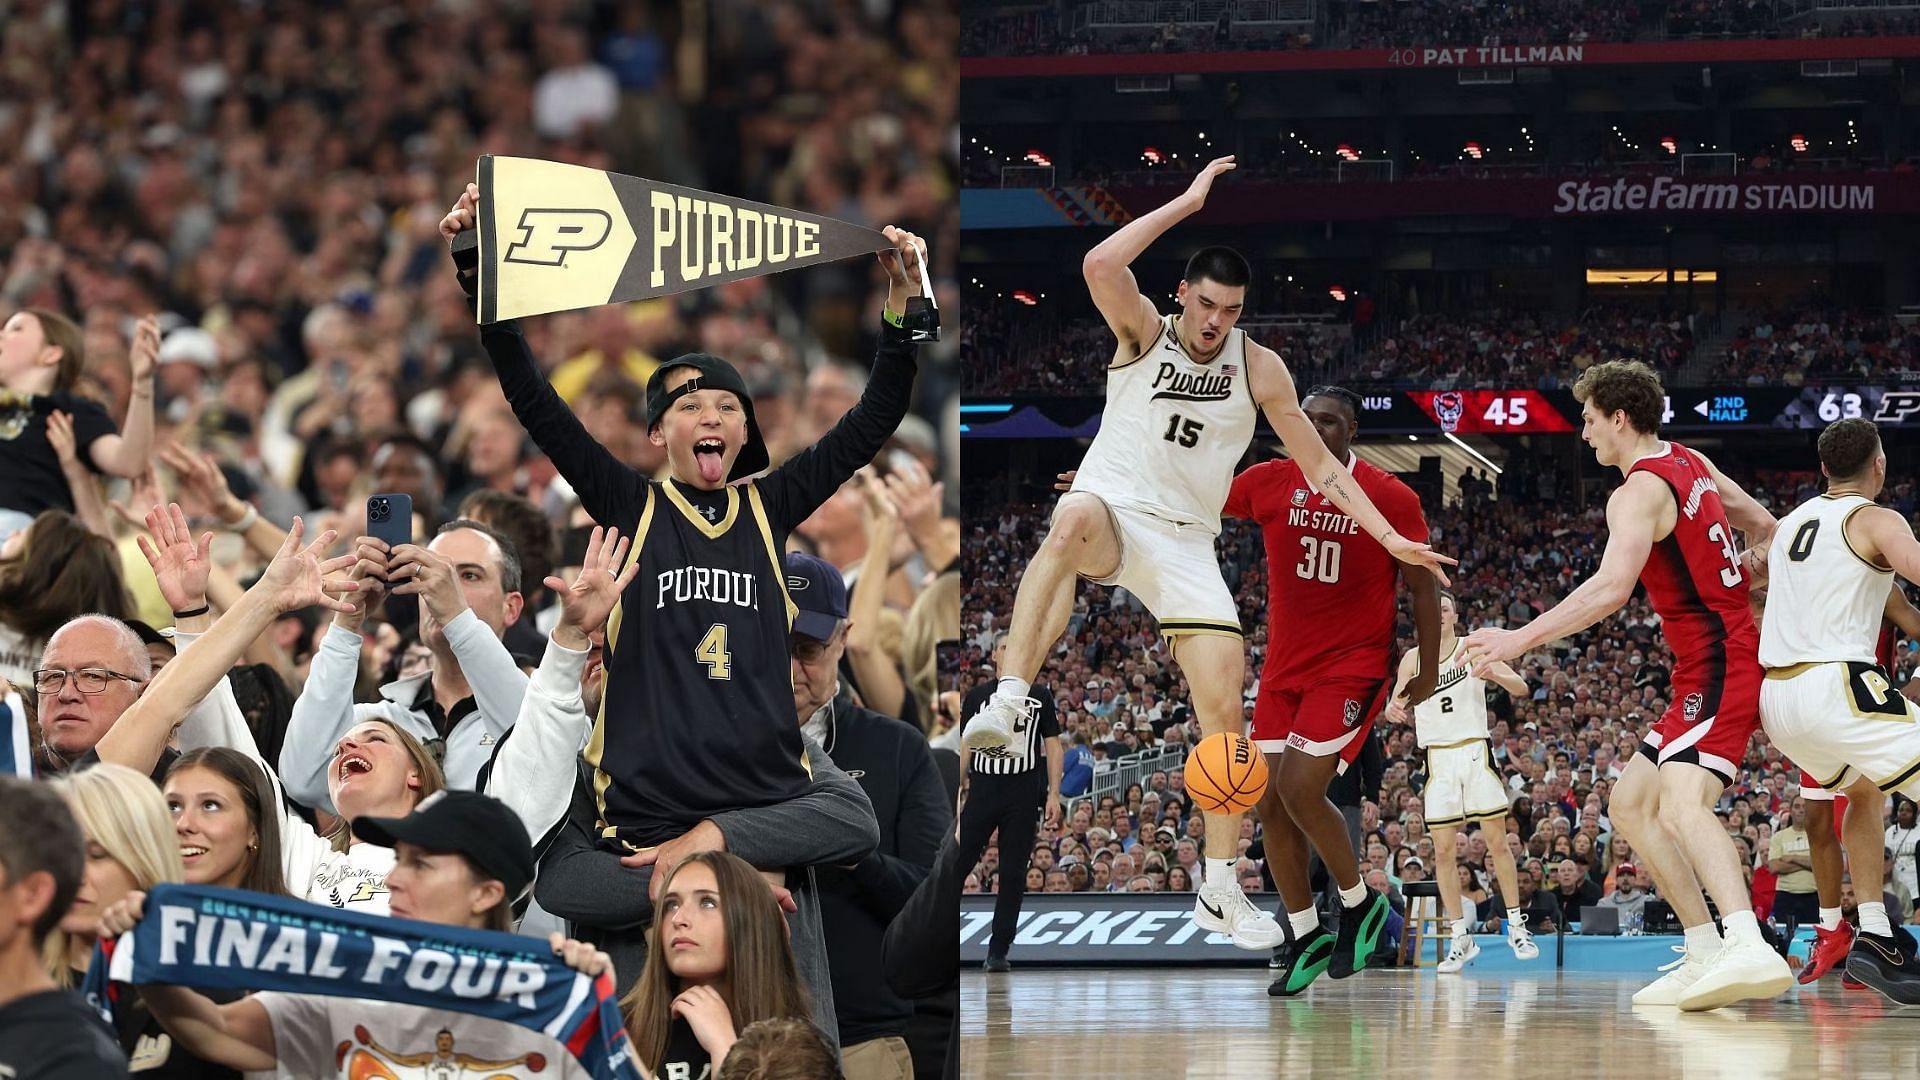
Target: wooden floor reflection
x=1145, y=1023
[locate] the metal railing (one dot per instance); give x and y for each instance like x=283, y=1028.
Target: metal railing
x=1116, y=776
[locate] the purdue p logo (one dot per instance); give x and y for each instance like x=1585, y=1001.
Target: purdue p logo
x=547, y=235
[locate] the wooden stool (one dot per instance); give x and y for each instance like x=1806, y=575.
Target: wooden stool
x=1424, y=920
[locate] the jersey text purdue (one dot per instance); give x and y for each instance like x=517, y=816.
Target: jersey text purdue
x=684, y=583
x=1190, y=387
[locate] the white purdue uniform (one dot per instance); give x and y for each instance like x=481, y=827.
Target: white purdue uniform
x=1827, y=703
x=1451, y=726
x=1171, y=435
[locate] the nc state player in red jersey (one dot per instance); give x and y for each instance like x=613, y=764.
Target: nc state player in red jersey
x=1329, y=665
x=1671, y=526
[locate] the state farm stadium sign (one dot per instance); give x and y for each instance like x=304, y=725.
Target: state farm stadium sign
x=1575, y=197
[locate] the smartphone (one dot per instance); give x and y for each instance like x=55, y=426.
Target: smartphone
x=390, y=518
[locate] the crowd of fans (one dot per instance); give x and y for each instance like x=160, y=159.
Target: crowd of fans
x=229, y=311
x=1560, y=750
x=1818, y=341
x=1385, y=24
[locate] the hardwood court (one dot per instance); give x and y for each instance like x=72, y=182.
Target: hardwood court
x=1119, y=1023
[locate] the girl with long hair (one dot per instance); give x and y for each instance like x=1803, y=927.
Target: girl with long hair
x=50, y=572
x=225, y=814
x=717, y=960
x=130, y=846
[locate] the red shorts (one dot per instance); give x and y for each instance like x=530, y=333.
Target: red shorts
x=1714, y=713
x=1326, y=718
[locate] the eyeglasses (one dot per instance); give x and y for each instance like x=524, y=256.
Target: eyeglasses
x=91, y=680
x=807, y=650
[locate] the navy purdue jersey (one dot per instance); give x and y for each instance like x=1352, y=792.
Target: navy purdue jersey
x=712, y=708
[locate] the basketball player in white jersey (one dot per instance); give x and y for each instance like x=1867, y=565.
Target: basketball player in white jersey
x=1182, y=394
x=1827, y=703
x=1451, y=726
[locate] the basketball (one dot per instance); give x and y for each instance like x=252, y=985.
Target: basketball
x=1226, y=774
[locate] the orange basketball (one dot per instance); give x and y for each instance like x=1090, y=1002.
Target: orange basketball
x=1226, y=774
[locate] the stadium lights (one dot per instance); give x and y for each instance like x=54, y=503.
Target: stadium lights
x=1037, y=158
x=1669, y=144
x=1497, y=470
x=1153, y=156
x=1338, y=292
x=1025, y=297
x=1474, y=150
x=1347, y=152
x=1798, y=142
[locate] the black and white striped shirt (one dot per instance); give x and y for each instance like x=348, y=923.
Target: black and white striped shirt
x=1028, y=744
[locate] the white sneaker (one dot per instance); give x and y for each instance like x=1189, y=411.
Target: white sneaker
x=1228, y=911
x=997, y=723
x=1680, y=974
x=1749, y=970
x=1462, y=950
x=1520, y=939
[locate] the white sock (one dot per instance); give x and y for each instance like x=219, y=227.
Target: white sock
x=1219, y=873
x=1462, y=927
x=1742, y=927
x=1012, y=689
x=1513, y=918
x=1303, y=922
x=1829, y=918
x=1873, y=919
x=1352, y=897
x=1702, y=941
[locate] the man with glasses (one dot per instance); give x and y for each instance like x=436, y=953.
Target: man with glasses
x=895, y=766
x=90, y=672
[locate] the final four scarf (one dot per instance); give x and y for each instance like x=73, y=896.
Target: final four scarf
x=213, y=938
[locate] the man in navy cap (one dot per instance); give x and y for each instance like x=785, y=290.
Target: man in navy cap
x=895, y=767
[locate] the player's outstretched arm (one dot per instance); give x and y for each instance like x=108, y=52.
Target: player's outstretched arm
x=1631, y=512
x=1504, y=677
x=1743, y=511
x=1425, y=586
x=1399, y=710
x=1107, y=267
x=1274, y=392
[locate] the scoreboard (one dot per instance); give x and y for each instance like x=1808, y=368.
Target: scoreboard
x=1517, y=411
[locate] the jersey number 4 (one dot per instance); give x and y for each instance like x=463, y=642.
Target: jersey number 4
x=712, y=652
x=1183, y=431
x=1320, y=561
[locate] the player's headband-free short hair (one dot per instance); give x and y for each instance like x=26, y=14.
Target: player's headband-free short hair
x=1339, y=393
x=1219, y=264
x=1847, y=447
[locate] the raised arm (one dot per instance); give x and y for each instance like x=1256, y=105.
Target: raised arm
x=296, y=578
x=611, y=490
x=1274, y=392
x=1108, y=268
x=1426, y=624
x=534, y=770
x=880, y=683
x=1632, y=513
x=130, y=451
x=88, y=504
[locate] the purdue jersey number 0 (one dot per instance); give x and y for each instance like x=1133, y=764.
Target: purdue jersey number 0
x=707, y=725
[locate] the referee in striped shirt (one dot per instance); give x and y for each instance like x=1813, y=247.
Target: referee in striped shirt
x=1006, y=792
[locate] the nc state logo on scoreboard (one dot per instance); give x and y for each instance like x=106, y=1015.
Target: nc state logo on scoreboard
x=1447, y=408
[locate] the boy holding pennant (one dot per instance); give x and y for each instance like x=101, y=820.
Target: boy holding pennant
x=697, y=715
x=342, y=993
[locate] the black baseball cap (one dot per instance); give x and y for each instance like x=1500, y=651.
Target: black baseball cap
x=480, y=827
x=715, y=374
x=819, y=592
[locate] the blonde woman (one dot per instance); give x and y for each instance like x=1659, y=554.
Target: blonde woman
x=130, y=846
